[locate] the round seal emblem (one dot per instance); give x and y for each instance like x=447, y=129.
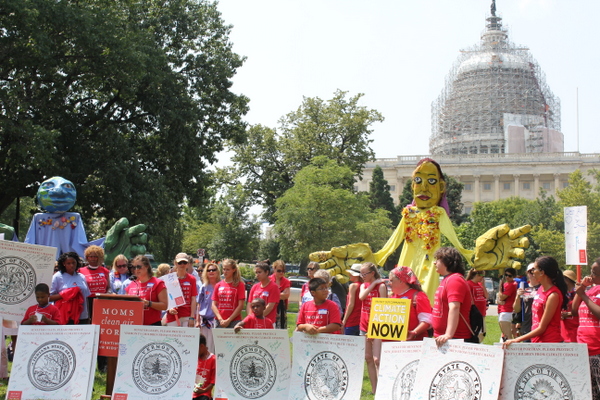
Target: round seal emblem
x=252, y=371
x=17, y=280
x=455, y=380
x=156, y=368
x=542, y=381
x=326, y=377
x=405, y=380
x=51, y=365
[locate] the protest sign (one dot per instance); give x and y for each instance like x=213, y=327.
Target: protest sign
x=252, y=364
x=54, y=362
x=401, y=361
x=110, y=315
x=22, y=267
x=388, y=318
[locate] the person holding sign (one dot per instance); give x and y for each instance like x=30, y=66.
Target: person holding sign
x=43, y=313
x=405, y=285
x=150, y=289
x=373, y=286
x=182, y=315
x=319, y=315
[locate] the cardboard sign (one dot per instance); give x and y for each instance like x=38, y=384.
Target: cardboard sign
x=54, y=362
x=174, y=291
x=401, y=360
x=389, y=318
x=576, y=235
x=22, y=267
x=156, y=362
x=252, y=364
x=110, y=315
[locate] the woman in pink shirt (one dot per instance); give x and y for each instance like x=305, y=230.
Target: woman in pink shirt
x=551, y=297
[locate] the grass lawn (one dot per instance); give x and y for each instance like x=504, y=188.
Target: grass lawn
x=493, y=336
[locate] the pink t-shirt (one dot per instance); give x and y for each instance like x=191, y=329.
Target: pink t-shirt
x=510, y=290
x=50, y=311
x=452, y=288
x=366, y=305
x=228, y=297
x=478, y=297
x=190, y=290
x=552, y=333
x=269, y=293
x=96, y=279
x=589, y=326
x=319, y=315
x=422, y=306
x=251, y=322
x=148, y=290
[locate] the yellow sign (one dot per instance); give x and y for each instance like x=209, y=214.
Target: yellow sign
x=389, y=318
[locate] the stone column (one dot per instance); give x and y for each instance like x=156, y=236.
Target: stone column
x=477, y=188
x=496, y=187
x=536, y=185
x=556, y=183
x=516, y=178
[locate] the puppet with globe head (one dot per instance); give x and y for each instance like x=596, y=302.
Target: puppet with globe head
x=57, y=227
x=422, y=224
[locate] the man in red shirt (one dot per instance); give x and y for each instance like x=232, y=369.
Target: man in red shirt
x=508, y=292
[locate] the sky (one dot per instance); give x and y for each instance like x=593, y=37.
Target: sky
x=398, y=53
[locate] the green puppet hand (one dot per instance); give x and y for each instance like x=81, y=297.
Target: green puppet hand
x=121, y=239
x=496, y=248
x=8, y=231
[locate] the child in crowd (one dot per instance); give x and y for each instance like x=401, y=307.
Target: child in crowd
x=43, y=313
x=319, y=315
x=205, y=372
x=256, y=320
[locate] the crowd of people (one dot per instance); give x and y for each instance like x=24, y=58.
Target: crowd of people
x=548, y=305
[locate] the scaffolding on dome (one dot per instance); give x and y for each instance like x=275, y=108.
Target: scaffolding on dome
x=491, y=86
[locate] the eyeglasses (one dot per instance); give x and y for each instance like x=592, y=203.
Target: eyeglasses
x=508, y=275
x=122, y=266
x=211, y=270
x=181, y=262
x=530, y=271
x=137, y=266
x=366, y=273
x=279, y=270
x=312, y=269
x=481, y=273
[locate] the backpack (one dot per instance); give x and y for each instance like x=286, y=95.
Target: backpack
x=477, y=323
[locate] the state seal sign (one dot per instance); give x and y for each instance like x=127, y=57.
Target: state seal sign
x=51, y=365
x=252, y=371
x=156, y=368
x=405, y=380
x=542, y=381
x=326, y=377
x=455, y=380
x=17, y=280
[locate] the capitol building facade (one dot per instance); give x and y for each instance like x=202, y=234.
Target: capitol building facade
x=495, y=127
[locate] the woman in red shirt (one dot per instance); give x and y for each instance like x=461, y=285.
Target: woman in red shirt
x=351, y=321
x=405, y=285
x=284, y=285
x=151, y=290
x=229, y=295
x=264, y=289
x=551, y=297
x=373, y=286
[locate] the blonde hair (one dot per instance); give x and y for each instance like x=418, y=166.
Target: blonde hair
x=237, y=276
x=205, y=272
x=94, y=250
x=279, y=263
x=162, y=270
x=118, y=258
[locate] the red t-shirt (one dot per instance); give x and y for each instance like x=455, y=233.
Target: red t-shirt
x=269, y=293
x=589, y=326
x=478, y=297
x=284, y=283
x=422, y=306
x=366, y=305
x=354, y=318
x=148, y=290
x=189, y=289
x=552, y=333
x=452, y=288
x=228, y=297
x=510, y=290
x=50, y=311
x=96, y=279
x=568, y=326
x=251, y=322
x=319, y=315
x=205, y=375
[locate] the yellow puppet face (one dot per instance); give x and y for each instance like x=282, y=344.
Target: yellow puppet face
x=427, y=186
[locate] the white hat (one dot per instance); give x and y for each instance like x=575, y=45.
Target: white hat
x=355, y=269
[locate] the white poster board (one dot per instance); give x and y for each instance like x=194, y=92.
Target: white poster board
x=576, y=235
x=546, y=370
x=471, y=370
x=156, y=362
x=174, y=291
x=327, y=366
x=22, y=267
x=252, y=364
x=401, y=361
x=54, y=362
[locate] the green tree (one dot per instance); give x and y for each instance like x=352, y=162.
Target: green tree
x=269, y=159
x=379, y=194
x=130, y=100
x=321, y=211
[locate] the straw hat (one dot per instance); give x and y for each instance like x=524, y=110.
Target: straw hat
x=570, y=275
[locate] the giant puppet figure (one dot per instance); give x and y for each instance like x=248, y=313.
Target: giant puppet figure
x=64, y=230
x=422, y=224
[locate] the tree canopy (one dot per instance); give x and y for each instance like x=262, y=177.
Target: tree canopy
x=269, y=159
x=130, y=100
